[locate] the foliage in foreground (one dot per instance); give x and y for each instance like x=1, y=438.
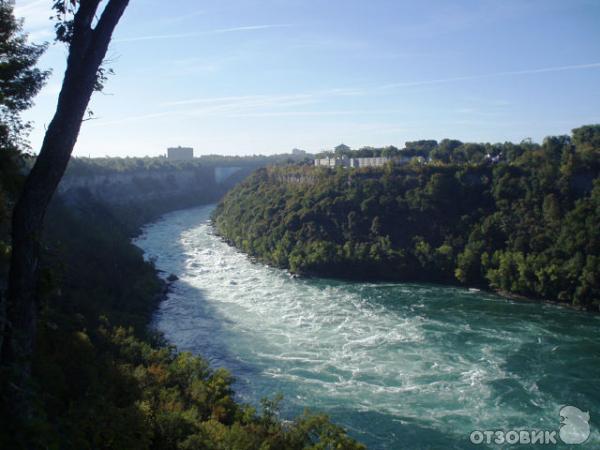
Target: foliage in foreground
x=108, y=389
x=103, y=381
x=20, y=81
x=527, y=224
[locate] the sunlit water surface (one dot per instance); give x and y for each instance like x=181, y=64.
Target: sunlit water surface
x=398, y=365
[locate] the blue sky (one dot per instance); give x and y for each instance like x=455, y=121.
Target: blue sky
x=265, y=76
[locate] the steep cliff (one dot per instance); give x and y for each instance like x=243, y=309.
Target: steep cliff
x=144, y=185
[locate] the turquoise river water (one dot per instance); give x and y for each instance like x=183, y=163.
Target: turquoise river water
x=398, y=365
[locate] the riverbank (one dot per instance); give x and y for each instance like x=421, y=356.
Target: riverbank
x=375, y=279
x=103, y=379
x=508, y=227
x=400, y=365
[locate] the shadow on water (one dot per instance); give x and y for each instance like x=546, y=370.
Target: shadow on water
x=188, y=318
x=563, y=372
x=185, y=317
x=193, y=325
x=383, y=431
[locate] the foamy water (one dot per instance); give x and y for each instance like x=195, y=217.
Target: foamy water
x=399, y=365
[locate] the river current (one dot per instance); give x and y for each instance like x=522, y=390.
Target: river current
x=398, y=365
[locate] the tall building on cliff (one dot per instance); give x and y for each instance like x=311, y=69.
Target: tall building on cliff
x=180, y=153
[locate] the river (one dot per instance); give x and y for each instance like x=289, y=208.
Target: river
x=398, y=365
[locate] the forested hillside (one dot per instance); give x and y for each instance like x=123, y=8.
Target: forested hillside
x=102, y=379
x=524, y=221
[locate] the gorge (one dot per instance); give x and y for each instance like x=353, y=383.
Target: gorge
x=399, y=365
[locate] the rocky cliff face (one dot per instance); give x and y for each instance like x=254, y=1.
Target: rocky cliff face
x=143, y=186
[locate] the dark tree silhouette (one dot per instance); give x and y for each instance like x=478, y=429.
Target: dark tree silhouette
x=88, y=35
x=20, y=81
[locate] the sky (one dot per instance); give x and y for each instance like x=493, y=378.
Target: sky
x=265, y=76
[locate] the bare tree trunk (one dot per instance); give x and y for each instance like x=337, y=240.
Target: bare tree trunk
x=2, y=315
x=87, y=50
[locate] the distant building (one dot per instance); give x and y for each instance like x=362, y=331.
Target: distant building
x=180, y=153
x=494, y=159
x=323, y=162
x=337, y=161
x=369, y=162
x=357, y=163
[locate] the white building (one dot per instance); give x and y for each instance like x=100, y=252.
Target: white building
x=180, y=153
x=341, y=161
x=377, y=161
x=356, y=163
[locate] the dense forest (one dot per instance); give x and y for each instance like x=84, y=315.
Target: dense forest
x=518, y=218
x=100, y=377
x=103, y=379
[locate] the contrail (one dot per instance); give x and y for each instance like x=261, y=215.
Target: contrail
x=492, y=75
x=201, y=33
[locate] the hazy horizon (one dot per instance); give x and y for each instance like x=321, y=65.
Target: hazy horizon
x=263, y=77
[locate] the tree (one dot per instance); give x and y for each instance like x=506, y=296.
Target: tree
x=555, y=145
x=88, y=33
x=342, y=150
x=390, y=151
x=20, y=81
x=445, y=150
x=420, y=148
x=587, y=138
